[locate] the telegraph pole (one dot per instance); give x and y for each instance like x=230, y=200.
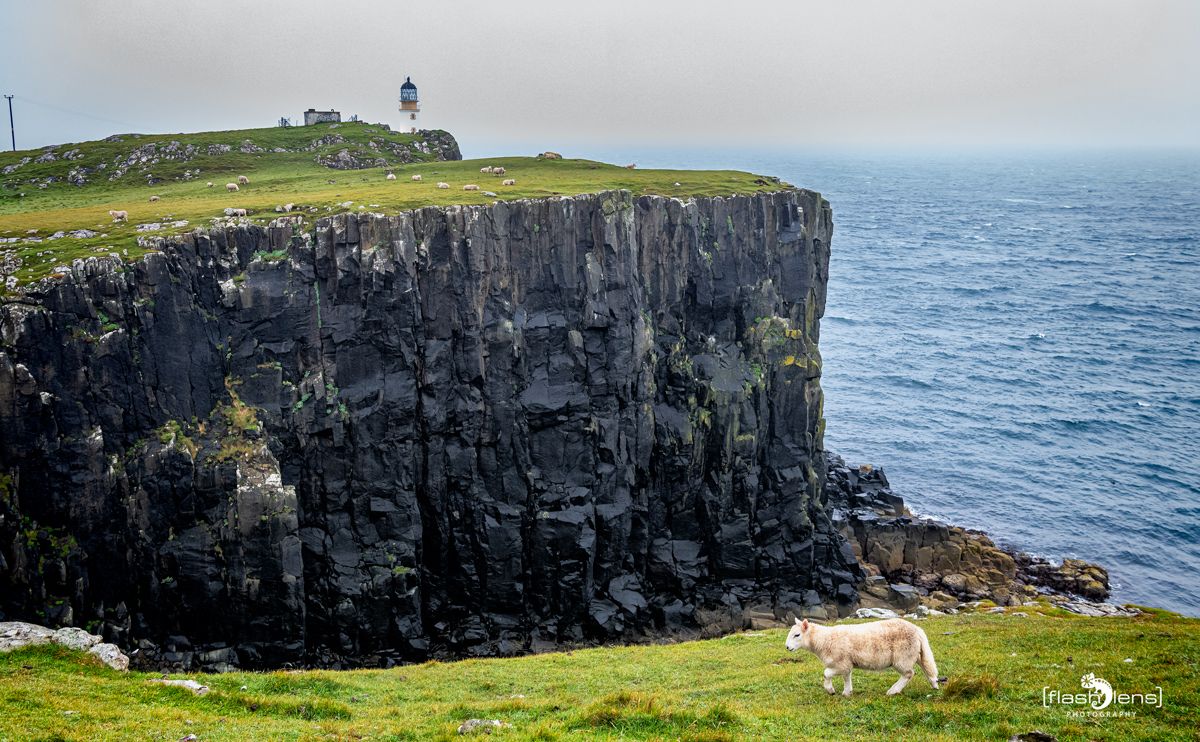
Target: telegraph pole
x=11, y=129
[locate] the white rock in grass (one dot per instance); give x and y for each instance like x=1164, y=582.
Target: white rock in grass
x=17, y=634
x=111, y=655
x=876, y=613
x=471, y=726
x=73, y=638
x=191, y=685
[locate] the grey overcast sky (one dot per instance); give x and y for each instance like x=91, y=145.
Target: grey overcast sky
x=526, y=73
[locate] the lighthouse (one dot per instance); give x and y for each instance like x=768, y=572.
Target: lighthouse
x=410, y=106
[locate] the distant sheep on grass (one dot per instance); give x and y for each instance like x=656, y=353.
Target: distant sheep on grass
x=487, y=169
x=391, y=176
x=231, y=187
x=235, y=212
x=498, y=171
x=416, y=178
x=471, y=187
x=153, y=199
x=631, y=166
x=243, y=180
x=210, y=185
x=509, y=181
x=443, y=185
x=119, y=216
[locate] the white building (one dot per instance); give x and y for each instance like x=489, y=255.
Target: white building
x=313, y=116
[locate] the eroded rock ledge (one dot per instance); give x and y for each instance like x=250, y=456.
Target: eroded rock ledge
x=460, y=430
x=911, y=561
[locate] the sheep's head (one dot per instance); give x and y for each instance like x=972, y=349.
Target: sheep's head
x=800, y=636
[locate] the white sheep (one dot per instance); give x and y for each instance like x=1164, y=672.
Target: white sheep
x=416, y=177
x=471, y=187
x=509, y=181
x=235, y=212
x=391, y=176
x=119, y=216
x=487, y=169
x=209, y=184
x=153, y=199
x=443, y=185
x=243, y=180
x=631, y=166
x=231, y=187
x=498, y=171
x=894, y=643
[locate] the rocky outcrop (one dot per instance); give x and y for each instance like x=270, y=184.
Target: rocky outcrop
x=382, y=152
x=910, y=561
x=17, y=634
x=459, y=430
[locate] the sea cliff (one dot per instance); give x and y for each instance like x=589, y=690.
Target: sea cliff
x=453, y=430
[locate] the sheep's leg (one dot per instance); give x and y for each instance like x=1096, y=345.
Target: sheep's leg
x=829, y=674
x=905, y=676
x=849, y=685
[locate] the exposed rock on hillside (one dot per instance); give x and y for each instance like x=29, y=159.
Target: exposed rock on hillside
x=463, y=429
x=382, y=153
x=16, y=634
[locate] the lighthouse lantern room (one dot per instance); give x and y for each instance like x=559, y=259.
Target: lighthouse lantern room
x=410, y=105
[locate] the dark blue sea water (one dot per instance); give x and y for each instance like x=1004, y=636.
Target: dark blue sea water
x=1016, y=340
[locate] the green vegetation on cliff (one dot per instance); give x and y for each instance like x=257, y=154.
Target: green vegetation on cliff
x=744, y=686
x=323, y=169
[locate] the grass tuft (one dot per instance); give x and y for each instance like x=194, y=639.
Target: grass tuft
x=971, y=686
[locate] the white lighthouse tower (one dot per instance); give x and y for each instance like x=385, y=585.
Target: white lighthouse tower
x=410, y=106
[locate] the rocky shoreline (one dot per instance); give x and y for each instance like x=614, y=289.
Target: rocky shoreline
x=917, y=564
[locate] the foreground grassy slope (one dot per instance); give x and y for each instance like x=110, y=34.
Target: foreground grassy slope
x=740, y=687
x=294, y=174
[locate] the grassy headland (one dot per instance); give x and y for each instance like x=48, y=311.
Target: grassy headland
x=744, y=686
x=75, y=189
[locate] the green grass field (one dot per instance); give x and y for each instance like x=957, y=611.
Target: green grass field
x=744, y=686
x=277, y=177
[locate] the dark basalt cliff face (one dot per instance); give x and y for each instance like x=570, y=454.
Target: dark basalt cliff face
x=461, y=430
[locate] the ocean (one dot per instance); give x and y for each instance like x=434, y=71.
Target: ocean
x=1015, y=339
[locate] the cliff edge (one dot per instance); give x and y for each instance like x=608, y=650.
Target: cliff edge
x=455, y=430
